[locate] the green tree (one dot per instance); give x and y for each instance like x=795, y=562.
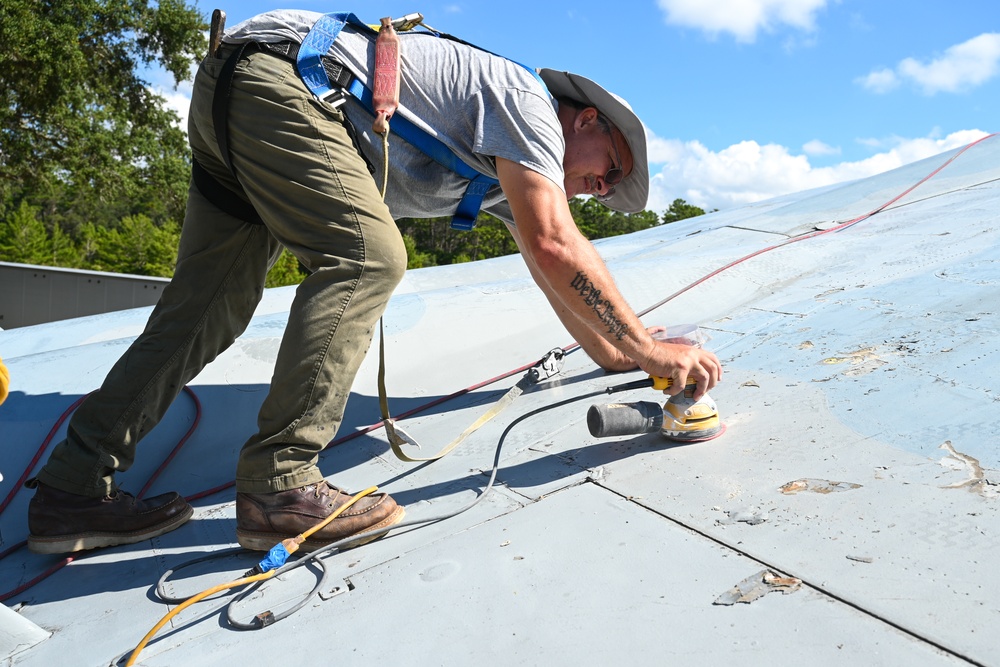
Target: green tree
x=416, y=259
x=597, y=221
x=679, y=210
x=23, y=238
x=286, y=271
x=432, y=242
x=137, y=246
x=62, y=249
x=490, y=238
x=80, y=130
x=88, y=242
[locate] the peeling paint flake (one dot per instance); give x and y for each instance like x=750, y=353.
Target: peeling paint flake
x=750, y=515
x=817, y=486
x=757, y=586
x=977, y=481
x=862, y=361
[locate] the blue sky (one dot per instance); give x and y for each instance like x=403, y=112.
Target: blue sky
x=747, y=99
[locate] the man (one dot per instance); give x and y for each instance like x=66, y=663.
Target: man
x=304, y=169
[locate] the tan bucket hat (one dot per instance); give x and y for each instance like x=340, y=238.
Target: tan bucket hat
x=633, y=192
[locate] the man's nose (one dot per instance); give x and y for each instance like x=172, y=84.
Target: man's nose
x=600, y=187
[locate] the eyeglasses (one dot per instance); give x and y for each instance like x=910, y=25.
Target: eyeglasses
x=616, y=173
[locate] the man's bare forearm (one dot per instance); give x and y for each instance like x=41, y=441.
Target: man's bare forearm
x=603, y=308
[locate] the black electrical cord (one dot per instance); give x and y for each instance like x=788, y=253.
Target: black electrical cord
x=266, y=618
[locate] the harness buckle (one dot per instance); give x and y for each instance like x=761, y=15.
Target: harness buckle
x=408, y=22
x=549, y=365
x=335, y=98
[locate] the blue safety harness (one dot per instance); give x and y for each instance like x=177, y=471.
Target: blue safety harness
x=309, y=63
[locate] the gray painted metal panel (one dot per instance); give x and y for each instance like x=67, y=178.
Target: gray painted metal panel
x=860, y=457
x=37, y=294
x=584, y=578
x=18, y=634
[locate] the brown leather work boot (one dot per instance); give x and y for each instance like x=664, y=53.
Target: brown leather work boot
x=61, y=522
x=264, y=519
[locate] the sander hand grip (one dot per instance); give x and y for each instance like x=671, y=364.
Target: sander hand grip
x=662, y=384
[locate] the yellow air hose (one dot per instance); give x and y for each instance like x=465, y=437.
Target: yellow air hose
x=291, y=545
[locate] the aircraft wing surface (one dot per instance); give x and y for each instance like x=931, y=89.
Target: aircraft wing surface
x=848, y=515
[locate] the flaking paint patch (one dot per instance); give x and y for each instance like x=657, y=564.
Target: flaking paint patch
x=862, y=361
x=817, y=486
x=860, y=559
x=757, y=586
x=977, y=482
x=752, y=516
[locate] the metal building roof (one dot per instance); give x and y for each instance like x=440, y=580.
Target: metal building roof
x=860, y=459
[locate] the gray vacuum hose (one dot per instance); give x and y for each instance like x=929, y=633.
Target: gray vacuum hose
x=624, y=419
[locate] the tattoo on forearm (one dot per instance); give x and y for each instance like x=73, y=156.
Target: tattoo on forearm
x=602, y=307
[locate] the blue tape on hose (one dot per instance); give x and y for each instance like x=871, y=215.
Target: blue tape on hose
x=276, y=557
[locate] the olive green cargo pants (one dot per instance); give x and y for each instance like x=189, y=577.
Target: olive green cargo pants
x=298, y=166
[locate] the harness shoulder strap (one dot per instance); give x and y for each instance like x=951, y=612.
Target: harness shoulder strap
x=316, y=45
x=309, y=62
x=479, y=183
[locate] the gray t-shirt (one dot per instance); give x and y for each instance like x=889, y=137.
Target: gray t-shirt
x=480, y=105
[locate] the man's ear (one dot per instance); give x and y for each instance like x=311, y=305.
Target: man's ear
x=585, y=118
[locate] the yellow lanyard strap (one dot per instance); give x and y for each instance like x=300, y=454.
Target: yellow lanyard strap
x=548, y=366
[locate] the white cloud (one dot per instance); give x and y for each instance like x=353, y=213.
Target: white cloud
x=747, y=172
x=817, y=147
x=879, y=81
x=742, y=18
x=179, y=100
x=961, y=67
x=178, y=97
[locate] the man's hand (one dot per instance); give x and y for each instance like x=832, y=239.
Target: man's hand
x=680, y=362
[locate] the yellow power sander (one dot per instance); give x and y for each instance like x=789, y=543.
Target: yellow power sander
x=681, y=418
